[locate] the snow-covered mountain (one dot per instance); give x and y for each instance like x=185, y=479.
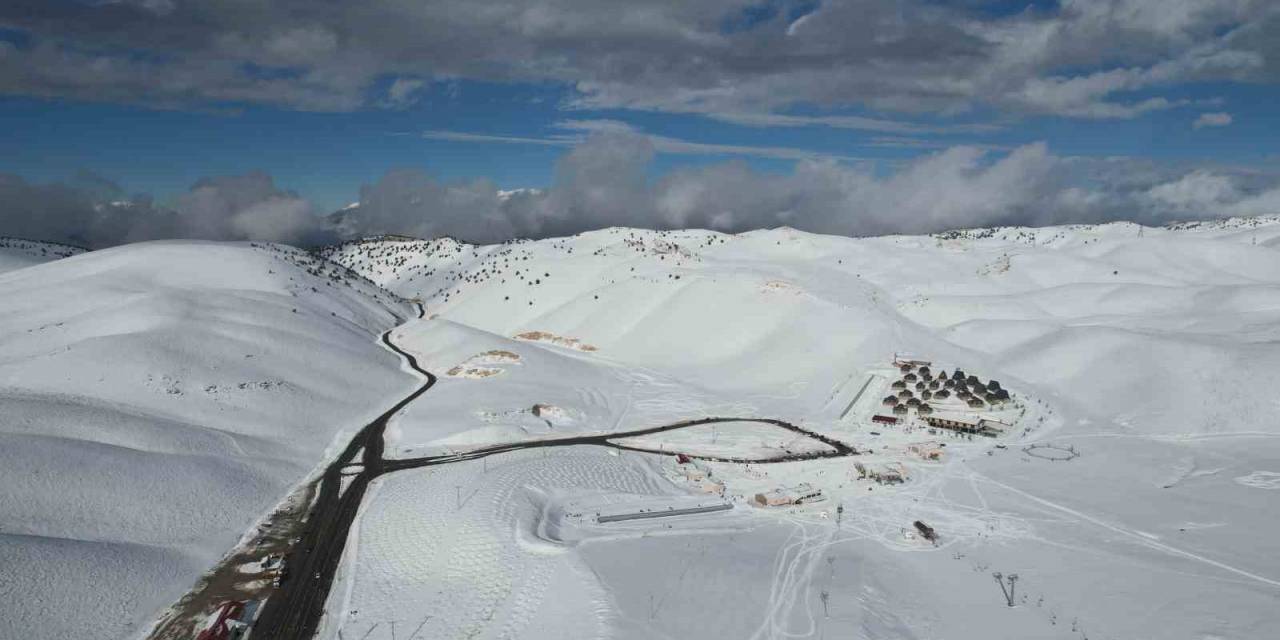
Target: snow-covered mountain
x=161, y=398
x=158, y=399
x=1148, y=356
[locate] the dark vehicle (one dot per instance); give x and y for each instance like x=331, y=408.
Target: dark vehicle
x=926, y=531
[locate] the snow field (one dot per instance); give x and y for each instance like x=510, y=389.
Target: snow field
x=463, y=547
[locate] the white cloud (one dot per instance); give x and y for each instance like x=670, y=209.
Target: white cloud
x=605, y=180
x=578, y=131
x=403, y=92
x=1219, y=119
x=859, y=123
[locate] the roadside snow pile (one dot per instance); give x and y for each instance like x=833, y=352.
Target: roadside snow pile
x=157, y=399
x=16, y=253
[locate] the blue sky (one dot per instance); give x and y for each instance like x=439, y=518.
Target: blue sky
x=1122, y=96
x=327, y=156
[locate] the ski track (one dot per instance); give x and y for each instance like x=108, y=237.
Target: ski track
x=1133, y=535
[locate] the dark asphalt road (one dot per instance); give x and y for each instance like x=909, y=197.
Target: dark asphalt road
x=295, y=609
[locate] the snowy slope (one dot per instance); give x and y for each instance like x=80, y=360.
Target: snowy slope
x=796, y=313
x=157, y=400
x=16, y=253
x=1147, y=355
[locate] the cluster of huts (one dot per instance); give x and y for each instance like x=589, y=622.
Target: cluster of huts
x=919, y=386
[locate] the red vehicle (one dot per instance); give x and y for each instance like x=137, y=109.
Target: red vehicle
x=231, y=622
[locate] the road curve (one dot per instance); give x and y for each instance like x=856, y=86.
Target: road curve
x=294, y=610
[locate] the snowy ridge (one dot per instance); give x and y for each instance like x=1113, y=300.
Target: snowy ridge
x=158, y=399
x=16, y=253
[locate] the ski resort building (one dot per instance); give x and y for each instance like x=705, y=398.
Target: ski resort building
x=926, y=450
x=697, y=475
x=892, y=473
x=783, y=496
x=980, y=426
x=884, y=419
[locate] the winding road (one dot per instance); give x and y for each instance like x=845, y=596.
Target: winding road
x=294, y=610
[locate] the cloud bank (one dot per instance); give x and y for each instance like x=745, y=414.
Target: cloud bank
x=605, y=181
x=740, y=60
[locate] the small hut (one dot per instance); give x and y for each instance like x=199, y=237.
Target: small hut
x=972, y=380
x=958, y=374
x=890, y=401
x=900, y=410
x=926, y=394
x=950, y=383
x=913, y=402
x=993, y=385
x=921, y=386
x=934, y=385
x=975, y=403
x=991, y=398
x=1002, y=394
x=905, y=393
x=942, y=375
x=924, y=409
x=911, y=377
x=904, y=367
x=898, y=384
x=942, y=393
x=924, y=371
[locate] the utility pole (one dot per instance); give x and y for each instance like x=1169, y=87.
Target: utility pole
x=1007, y=591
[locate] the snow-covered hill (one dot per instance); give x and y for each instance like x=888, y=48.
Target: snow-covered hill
x=1146, y=355
x=16, y=253
x=1152, y=323
x=159, y=398
x=155, y=401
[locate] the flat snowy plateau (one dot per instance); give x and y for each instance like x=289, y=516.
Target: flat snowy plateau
x=159, y=400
